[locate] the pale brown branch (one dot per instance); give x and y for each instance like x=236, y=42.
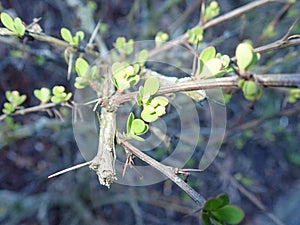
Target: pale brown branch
x=230, y=15
x=167, y=171
x=267, y=80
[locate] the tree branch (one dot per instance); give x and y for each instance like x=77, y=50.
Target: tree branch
x=267, y=80
x=167, y=171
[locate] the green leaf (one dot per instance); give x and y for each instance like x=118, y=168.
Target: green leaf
x=250, y=88
x=148, y=115
x=195, y=35
x=66, y=35
x=19, y=26
x=129, y=122
x=20, y=100
x=207, y=54
x=151, y=85
x=210, y=68
x=79, y=36
x=213, y=204
x=81, y=67
x=162, y=101
x=43, y=95
x=8, y=108
x=139, y=127
x=122, y=84
x=58, y=90
x=244, y=55
x=55, y=99
x=142, y=57
x=225, y=199
x=160, y=38
x=212, y=10
x=229, y=214
x=7, y=21
x=205, y=219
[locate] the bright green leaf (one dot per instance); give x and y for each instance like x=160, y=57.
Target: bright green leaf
x=66, y=35
x=207, y=54
x=162, y=101
x=129, y=122
x=55, y=99
x=7, y=21
x=19, y=26
x=244, y=55
x=139, y=127
x=143, y=56
x=205, y=219
x=148, y=116
x=195, y=35
x=43, y=95
x=213, y=204
x=151, y=85
x=224, y=198
x=8, y=108
x=229, y=214
x=81, y=67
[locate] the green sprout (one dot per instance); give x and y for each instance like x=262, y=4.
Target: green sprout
x=124, y=47
x=86, y=73
x=160, y=38
x=195, y=35
x=72, y=40
x=245, y=56
x=16, y=25
x=153, y=107
x=14, y=101
x=136, y=127
x=44, y=95
x=219, y=212
x=211, y=11
x=60, y=95
x=250, y=89
x=211, y=63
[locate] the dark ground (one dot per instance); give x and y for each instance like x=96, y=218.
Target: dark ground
x=264, y=157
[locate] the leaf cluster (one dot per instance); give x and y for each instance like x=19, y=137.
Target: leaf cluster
x=72, y=40
x=14, y=25
x=211, y=63
x=14, y=101
x=218, y=211
x=211, y=11
x=86, y=73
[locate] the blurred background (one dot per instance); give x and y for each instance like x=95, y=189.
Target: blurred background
x=259, y=160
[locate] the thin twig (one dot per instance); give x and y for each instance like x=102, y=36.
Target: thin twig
x=167, y=171
x=70, y=169
x=230, y=15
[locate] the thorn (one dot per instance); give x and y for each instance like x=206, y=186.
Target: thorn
x=69, y=169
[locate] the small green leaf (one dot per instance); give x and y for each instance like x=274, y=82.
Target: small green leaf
x=225, y=199
x=195, y=35
x=66, y=35
x=122, y=84
x=20, y=100
x=229, y=214
x=162, y=101
x=8, y=108
x=151, y=85
x=81, y=67
x=129, y=122
x=160, y=38
x=7, y=21
x=19, y=26
x=43, y=95
x=205, y=219
x=250, y=87
x=244, y=55
x=139, y=127
x=207, y=54
x=79, y=36
x=148, y=115
x=55, y=99
x=213, y=204
x=210, y=68
x=142, y=57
